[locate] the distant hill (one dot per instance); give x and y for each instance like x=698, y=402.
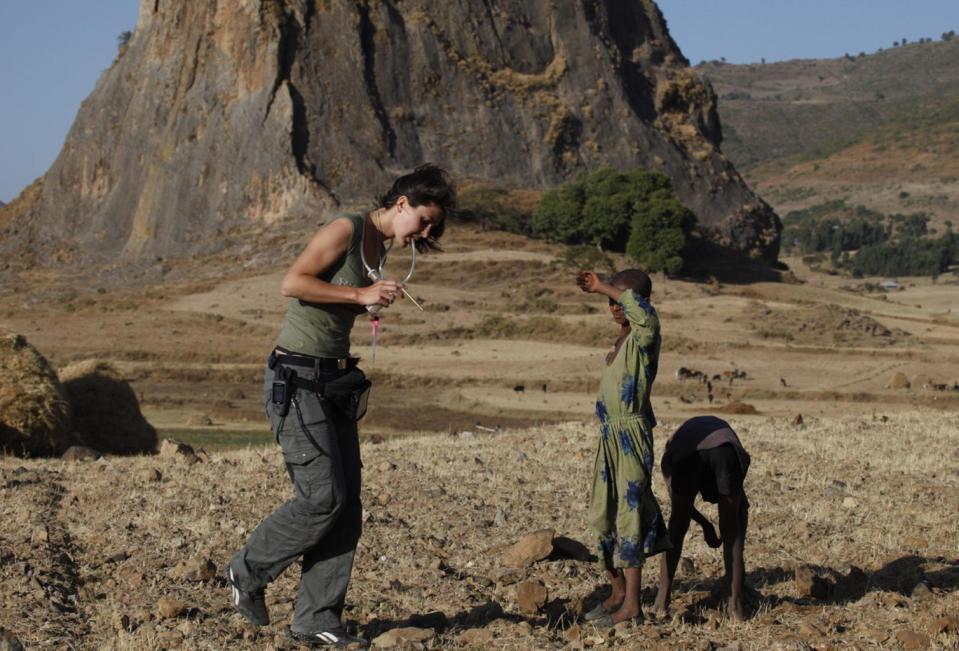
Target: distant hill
x=880, y=130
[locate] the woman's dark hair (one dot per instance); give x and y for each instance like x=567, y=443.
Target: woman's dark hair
x=634, y=279
x=426, y=185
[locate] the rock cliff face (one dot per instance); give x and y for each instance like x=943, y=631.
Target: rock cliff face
x=217, y=115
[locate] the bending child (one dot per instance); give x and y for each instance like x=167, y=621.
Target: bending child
x=623, y=513
x=705, y=456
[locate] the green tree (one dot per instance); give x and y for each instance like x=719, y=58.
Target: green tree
x=557, y=216
x=659, y=230
x=637, y=212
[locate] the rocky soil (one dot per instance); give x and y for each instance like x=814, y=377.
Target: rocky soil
x=851, y=544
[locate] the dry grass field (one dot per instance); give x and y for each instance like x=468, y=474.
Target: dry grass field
x=853, y=535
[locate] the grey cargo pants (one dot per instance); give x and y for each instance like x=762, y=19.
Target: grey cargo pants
x=323, y=521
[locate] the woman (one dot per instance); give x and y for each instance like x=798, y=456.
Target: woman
x=313, y=392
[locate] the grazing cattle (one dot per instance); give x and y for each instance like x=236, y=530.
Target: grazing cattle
x=519, y=388
x=683, y=373
x=782, y=381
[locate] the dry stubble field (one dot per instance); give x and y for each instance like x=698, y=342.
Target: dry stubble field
x=861, y=498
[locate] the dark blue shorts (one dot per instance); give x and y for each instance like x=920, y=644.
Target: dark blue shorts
x=711, y=473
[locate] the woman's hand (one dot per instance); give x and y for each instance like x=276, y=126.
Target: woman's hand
x=382, y=292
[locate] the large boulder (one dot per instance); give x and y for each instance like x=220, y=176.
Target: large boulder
x=106, y=413
x=34, y=411
x=219, y=118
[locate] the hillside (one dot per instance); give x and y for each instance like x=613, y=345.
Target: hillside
x=880, y=130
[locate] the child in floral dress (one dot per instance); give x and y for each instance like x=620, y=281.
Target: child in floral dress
x=623, y=512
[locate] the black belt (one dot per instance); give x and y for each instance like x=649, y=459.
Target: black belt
x=319, y=365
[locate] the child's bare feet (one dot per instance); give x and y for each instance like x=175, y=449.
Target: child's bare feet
x=626, y=612
x=735, y=610
x=613, y=603
x=661, y=606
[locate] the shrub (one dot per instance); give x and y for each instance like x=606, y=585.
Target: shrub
x=637, y=212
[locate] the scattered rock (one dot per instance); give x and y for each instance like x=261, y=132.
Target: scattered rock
x=948, y=624
x=475, y=637
x=687, y=567
x=921, y=591
x=529, y=549
x=531, y=595
x=171, y=449
x=169, y=607
x=386, y=466
x=79, y=453
x=199, y=420
x=912, y=640
x=195, y=569
x=809, y=584
x=849, y=503
x=573, y=634
x=510, y=575
x=500, y=518
x=150, y=475
x=403, y=637
x=40, y=535
x=797, y=420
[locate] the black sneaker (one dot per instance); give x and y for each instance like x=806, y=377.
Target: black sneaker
x=330, y=637
x=251, y=605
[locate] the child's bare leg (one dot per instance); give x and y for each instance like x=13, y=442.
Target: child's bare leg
x=618, y=583
x=681, y=510
x=733, y=517
x=631, y=604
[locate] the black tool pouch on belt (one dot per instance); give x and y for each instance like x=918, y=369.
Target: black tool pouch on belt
x=283, y=390
x=349, y=397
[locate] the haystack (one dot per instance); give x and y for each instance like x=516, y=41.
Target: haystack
x=898, y=381
x=737, y=408
x=34, y=412
x=106, y=413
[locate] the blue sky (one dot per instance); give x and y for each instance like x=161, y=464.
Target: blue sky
x=53, y=51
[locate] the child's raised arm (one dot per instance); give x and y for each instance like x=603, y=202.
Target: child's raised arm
x=589, y=281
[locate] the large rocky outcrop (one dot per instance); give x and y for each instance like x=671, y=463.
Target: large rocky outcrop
x=217, y=115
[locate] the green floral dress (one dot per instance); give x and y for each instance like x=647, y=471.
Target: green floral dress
x=623, y=512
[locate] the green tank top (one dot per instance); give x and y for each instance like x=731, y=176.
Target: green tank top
x=323, y=329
